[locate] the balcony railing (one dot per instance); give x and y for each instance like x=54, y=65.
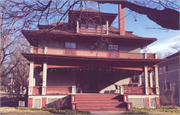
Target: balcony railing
x=90, y=53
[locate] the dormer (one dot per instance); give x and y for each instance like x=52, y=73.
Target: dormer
x=90, y=21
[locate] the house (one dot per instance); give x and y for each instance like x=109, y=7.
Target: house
x=169, y=76
x=69, y=69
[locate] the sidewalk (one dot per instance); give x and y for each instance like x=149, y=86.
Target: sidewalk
x=107, y=112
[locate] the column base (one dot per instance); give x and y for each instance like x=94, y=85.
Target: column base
x=30, y=90
x=43, y=90
x=157, y=90
x=146, y=90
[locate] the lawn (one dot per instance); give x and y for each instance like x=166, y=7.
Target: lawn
x=14, y=111
x=169, y=110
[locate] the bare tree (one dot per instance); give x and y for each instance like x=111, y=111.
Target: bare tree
x=163, y=12
x=176, y=46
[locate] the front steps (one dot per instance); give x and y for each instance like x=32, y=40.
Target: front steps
x=98, y=102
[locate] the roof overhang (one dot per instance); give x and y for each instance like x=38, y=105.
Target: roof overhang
x=34, y=36
x=89, y=61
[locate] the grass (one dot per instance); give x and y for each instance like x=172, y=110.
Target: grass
x=162, y=110
x=14, y=111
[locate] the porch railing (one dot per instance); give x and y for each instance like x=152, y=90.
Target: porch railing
x=137, y=90
x=90, y=53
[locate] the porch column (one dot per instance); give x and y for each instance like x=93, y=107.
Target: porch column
x=150, y=78
x=156, y=79
x=146, y=80
x=44, y=78
x=140, y=80
x=31, y=74
x=107, y=31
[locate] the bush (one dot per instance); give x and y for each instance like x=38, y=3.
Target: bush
x=57, y=111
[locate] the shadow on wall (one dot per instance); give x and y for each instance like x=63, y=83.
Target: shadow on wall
x=59, y=103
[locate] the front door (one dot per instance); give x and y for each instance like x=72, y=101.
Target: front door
x=92, y=82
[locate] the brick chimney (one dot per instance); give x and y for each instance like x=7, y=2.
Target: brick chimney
x=121, y=20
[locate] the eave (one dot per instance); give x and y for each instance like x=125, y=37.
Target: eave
x=89, y=61
x=33, y=36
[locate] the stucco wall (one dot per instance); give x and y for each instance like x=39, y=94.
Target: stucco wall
x=84, y=45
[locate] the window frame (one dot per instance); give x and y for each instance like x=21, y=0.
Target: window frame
x=70, y=45
x=113, y=50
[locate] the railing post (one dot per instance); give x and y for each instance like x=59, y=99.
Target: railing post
x=31, y=49
x=145, y=55
x=121, y=89
x=45, y=50
x=107, y=31
x=77, y=26
x=155, y=56
x=74, y=89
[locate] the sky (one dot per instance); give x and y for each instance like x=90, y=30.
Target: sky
x=165, y=38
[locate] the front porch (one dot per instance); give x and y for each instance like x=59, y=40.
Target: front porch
x=93, y=80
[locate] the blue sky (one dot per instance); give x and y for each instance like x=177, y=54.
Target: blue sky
x=165, y=37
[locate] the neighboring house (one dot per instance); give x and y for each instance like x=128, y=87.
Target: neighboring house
x=67, y=66
x=169, y=77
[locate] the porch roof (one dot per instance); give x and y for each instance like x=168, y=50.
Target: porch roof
x=89, y=61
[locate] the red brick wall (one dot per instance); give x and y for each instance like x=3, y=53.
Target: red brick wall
x=30, y=102
x=121, y=21
x=43, y=102
x=157, y=102
x=147, y=102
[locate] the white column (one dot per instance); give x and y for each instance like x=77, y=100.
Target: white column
x=45, y=50
x=77, y=26
x=156, y=79
x=121, y=88
x=31, y=74
x=140, y=80
x=31, y=50
x=74, y=89
x=145, y=55
x=44, y=78
x=151, y=79
x=146, y=80
x=107, y=31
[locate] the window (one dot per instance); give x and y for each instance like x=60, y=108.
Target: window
x=99, y=27
x=83, y=26
x=91, y=26
x=70, y=45
x=113, y=48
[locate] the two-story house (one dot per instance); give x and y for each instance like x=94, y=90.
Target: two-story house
x=65, y=63
x=169, y=78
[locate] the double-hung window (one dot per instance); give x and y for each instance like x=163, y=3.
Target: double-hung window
x=70, y=45
x=70, y=48
x=113, y=51
x=113, y=48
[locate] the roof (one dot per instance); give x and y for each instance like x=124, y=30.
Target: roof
x=65, y=29
x=173, y=55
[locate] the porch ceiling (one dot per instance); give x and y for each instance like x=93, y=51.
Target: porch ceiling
x=89, y=62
